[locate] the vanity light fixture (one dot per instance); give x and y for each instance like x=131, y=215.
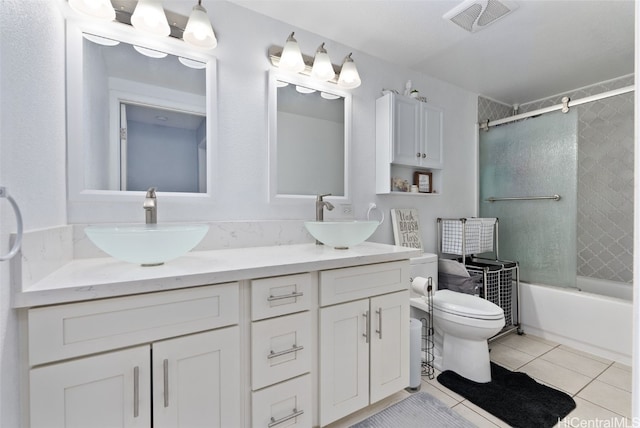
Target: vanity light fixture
x=149, y=17
x=101, y=9
x=199, y=31
x=319, y=68
x=291, y=58
x=349, y=77
x=322, y=68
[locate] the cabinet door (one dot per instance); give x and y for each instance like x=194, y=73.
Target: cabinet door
x=389, y=344
x=108, y=390
x=344, y=359
x=431, y=135
x=406, y=132
x=196, y=380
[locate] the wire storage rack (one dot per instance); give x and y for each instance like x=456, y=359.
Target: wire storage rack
x=427, y=336
x=465, y=239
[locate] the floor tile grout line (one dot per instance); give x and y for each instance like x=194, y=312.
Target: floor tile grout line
x=477, y=413
x=602, y=407
x=575, y=371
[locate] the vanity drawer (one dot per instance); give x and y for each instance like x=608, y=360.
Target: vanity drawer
x=280, y=349
x=74, y=329
x=353, y=283
x=287, y=404
x=280, y=295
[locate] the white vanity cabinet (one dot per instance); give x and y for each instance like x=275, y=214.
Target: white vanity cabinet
x=282, y=343
x=408, y=134
x=257, y=337
x=175, y=352
x=364, y=336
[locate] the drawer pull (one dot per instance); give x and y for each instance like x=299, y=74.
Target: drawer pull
x=285, y=296
x=165, y=369
x=285, y=352
x=136, y=391
x=275, y=422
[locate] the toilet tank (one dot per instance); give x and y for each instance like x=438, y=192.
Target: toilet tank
x=425, y=266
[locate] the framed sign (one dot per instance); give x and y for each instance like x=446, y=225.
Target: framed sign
x=424, y=181
x=406, y=227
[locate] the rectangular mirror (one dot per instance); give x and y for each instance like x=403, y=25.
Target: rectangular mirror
x=140, y=114
x=309, y=138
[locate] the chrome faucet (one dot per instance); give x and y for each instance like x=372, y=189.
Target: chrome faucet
x=150, y=207
x=320, y=205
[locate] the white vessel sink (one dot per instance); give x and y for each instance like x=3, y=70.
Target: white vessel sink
x=146, y=244
x=341, y=234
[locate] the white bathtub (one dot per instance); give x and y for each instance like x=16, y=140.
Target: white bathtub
x=594, y=323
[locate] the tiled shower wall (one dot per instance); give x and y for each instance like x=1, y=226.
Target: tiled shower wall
x=605, y=177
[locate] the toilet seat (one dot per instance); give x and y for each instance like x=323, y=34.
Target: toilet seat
x=466, y=305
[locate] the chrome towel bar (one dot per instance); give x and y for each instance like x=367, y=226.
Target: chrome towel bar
x=524, y=198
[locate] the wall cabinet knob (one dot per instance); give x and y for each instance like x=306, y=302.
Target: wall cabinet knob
x=424, y=155
x=417, y=155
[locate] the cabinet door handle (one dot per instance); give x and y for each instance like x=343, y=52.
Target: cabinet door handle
x=379, y=330
x=136, y=391
x=285, y=352
x=366, y=326
x=275, y=422
x=418, y=154
x=424, y=155
x=285, y=296
x=165, y=370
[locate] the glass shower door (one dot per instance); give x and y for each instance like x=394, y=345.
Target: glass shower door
x=533, y=157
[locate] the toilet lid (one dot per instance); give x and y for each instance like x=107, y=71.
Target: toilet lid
x=466, y=305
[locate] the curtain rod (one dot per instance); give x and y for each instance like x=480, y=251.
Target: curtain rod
x=570, y=103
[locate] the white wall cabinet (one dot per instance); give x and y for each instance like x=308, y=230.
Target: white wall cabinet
x=117, y=389
x=364, y=344
x=408, y=134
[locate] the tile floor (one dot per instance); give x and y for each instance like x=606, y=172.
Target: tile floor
x=601, y=388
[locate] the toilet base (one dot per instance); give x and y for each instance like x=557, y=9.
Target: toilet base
x=468, y=358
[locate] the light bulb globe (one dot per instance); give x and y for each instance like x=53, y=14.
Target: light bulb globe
x=149, y=17
x=291, y=58
x=198, y=31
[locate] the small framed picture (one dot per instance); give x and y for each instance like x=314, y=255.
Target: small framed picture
x=423, y=180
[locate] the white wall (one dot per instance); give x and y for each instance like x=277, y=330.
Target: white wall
x=32, y=139
x=32, y=150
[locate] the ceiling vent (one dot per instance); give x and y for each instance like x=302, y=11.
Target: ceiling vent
x=474, y=15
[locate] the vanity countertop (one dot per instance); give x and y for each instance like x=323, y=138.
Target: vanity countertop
x=86, y=279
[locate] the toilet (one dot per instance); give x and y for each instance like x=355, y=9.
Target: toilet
x=462, y=323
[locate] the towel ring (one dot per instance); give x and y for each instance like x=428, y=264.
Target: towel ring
x=18, y=242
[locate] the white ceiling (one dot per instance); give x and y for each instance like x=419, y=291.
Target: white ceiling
x=543, y=48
